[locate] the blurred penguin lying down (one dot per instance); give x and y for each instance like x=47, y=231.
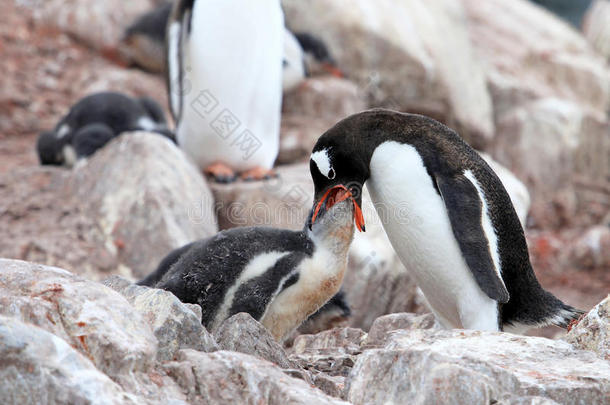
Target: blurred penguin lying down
x=279, y=277
x=94, y=121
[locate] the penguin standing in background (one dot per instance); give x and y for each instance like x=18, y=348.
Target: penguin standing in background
x=143, y=44
x=225, y=84
x=93, y=121
x=447, y=215
x=280, y=277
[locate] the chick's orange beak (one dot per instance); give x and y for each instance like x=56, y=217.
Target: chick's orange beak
x=334, y=196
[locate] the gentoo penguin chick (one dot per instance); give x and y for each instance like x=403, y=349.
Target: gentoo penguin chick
x=446, y=214
x=225, y=84
x=280, y=277
x=95, y=120
x=143, y=43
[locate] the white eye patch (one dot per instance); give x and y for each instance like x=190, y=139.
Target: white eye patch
x=322, y=160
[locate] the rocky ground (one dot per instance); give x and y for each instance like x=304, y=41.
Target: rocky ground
x=540, y=110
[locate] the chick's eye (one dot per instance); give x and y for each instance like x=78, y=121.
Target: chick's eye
x=331, y=174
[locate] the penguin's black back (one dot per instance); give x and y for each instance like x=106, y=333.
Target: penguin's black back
x=353, y=141
x=118, y=111
x=202, y=272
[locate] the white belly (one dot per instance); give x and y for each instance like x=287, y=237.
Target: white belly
x=233, y=83
x=417, y=224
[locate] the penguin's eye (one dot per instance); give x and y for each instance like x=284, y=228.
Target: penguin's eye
x=331, y=174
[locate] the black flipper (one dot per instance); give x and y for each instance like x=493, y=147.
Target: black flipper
x=464, y=207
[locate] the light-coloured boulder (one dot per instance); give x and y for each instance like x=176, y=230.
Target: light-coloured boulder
x=344, y=340
x=381, y=328
x=94, y=319
x=42, y=224
x=147, y=198
x=310, y=109
x=592, y=249
x=99, y=24
x=229, y=377
x=242, y=333
x=550, y=142
x=552, y=59
x=37, y=367
x=527, y=400
x=596, y=27
x=119, y=212
x=413, y=56
x=174, y=324
x=467, y=367
x=593, y=331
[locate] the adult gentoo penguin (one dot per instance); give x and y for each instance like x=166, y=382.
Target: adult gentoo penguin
x=280, y=277
x=225, y=83
x=446, y=214
x=93, y=121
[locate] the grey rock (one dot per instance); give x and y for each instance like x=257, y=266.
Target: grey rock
x=99, y=25
x=381, y=328
x=174, y=324
x=495, y=364
x=592, y=249
x=575, y=145
x=242, y=333
x=330, y=385
x=37, y=367
x=553, y=60
x=593, y=331
x=38, y=229
x=410, y=56
x=92, y=318
x=328, y=361
x=343, y=340
x=119, y=211
x=596, y=28
x=228, y=377
x=528, y=400
x=130, y=187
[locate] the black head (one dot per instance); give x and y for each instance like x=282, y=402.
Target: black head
x=337, y=160
x=49, y=148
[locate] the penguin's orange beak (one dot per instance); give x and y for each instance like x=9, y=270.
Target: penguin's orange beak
x=334, y=196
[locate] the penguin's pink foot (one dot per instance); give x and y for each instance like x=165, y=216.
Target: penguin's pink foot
x=220, y=172
x=258, y=173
